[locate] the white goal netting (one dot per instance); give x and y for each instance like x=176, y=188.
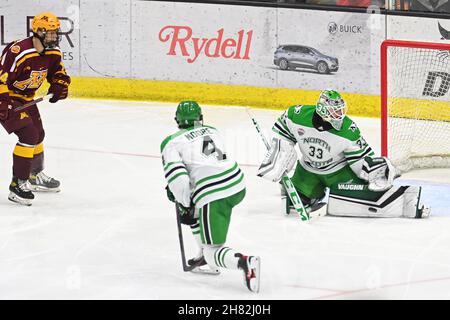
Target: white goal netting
x=418, y=107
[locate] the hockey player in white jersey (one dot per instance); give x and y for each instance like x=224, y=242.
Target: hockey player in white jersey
x=334, y=155
x=206, y=184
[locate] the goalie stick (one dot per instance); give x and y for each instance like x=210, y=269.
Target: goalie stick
x=28, y=104
x=287, y=183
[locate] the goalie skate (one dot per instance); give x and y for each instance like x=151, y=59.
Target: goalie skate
x=40, y=182
x=311, y=208
x=200, y=266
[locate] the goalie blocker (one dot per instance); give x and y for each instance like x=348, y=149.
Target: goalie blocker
x=356, y=200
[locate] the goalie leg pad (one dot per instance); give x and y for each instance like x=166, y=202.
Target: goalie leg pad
x=356, y=200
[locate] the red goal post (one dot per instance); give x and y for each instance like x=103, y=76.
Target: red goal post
x=415, y=103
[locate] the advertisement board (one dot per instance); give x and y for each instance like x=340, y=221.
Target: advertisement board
x=15, y=24
x=221, y=44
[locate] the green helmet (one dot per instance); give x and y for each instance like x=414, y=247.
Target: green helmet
x=332, y=108
x=188, y=114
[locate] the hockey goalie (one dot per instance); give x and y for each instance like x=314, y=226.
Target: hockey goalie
x=334, y=155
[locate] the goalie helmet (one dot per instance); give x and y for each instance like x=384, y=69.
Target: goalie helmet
x=188, y=114
x=331, y=108
x=42, y=24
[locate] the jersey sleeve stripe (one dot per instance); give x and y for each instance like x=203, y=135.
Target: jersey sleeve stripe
x=368, y=151
x=283, y=125
x=171, y=164
x=215, y=183
x=176, y=176
x=282, y=122
x=3, y=59
x=212, y=184
x=19, y=56
x=179, y=168
x=198, y=183
x=283, y=135
x=200, y=196
x=286, y=132
x=355, y=152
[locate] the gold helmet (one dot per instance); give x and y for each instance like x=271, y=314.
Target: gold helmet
x=44, y=22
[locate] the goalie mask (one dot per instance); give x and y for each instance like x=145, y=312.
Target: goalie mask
x=188, y=114
x=331, y=108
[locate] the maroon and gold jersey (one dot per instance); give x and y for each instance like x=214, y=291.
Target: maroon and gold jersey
x=23, y=69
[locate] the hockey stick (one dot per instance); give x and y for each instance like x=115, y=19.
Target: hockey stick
x=287, y=183
x=31, y=103
x=186, y=268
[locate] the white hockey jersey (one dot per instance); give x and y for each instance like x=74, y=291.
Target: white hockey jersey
x=323, y=152
x=197, y=167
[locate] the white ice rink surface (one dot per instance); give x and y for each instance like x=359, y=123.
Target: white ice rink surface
x=111, y=232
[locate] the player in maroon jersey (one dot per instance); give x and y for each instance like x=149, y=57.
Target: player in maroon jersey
x=24, y=66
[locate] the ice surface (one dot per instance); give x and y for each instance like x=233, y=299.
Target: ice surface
x=111, y=232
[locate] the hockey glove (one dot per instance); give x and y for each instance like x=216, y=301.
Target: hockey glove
x=379, y=172
x=5, y=107
x=170, y=195
x=186, y=214
x=59, y=87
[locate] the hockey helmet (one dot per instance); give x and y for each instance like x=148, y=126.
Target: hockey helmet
x=332, y=108
x=43, y=23
x=188, y=114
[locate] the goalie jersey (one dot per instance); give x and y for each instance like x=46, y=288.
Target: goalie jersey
x=323, y=152
x=197, y=167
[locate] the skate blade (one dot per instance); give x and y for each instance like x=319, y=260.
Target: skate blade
x=14, y=198
x=206, y=270
x=255, y=283
x=44, y=189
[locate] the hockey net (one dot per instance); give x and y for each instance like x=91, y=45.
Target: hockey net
x=415, y=104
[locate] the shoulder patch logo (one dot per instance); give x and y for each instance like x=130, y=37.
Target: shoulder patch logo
x=15, y=49
x=23, y=115
x=353, y=127
x=300, y=131
x=297, y=109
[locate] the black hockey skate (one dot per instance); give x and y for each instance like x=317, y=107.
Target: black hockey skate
x=41, y=182
x=250, y=266
x=20, y=192
x=198, y=263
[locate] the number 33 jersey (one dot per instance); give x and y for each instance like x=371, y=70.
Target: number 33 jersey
x=198, y=153
x=327, y=151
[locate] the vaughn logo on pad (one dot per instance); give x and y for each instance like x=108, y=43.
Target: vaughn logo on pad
x=182, y=42
x=351, y=186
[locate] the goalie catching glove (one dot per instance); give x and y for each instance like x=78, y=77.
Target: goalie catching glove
x=280, y=158
x=379, y=172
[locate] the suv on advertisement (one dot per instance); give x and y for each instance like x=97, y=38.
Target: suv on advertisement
x=296, y=56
